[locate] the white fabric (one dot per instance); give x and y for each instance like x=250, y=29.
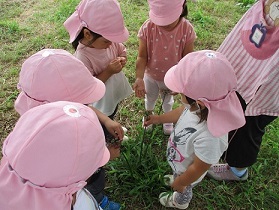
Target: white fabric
x=117, y=89
x=191, y=138
x=85, y=201
x=153, y=89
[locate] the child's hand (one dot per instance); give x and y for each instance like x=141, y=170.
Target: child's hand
x=114, y=66
x=139, y=88
x=122, y=60
x=177, y=186
x=114, y=128
x=114, y=151
x=151, y=119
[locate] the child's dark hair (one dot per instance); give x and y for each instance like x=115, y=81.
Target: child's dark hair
x=204, y=112
x=81, y=35
x=185, y=10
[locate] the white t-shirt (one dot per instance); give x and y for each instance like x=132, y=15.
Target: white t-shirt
x=85, y=201
x=190, y=138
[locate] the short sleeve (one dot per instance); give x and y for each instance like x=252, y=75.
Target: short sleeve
x=210, y=149
x=143, y=31
x=189, y=32
x=122, y=50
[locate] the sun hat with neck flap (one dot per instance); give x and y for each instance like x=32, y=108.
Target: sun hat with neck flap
x=208, y=76
x=56, y=75
x=53, y=149
x=103, y=17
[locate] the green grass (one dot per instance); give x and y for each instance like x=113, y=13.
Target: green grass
x=135, y=179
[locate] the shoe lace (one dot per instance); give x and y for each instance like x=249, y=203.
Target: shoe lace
x=220, y=168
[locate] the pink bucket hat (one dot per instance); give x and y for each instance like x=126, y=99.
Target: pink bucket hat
x=208, y=76
x=56, y=75
x=53, y=149
x=165, y=12
x=103, y=17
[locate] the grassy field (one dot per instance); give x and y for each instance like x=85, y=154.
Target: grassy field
x=135, y=179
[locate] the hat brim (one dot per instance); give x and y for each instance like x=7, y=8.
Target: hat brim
x=119, y=38
x=106, y=157
x=73, y=26
x=164, y=21
x=170, y=80
x=96, y=92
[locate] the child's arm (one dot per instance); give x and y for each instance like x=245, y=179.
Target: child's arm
x=114, y=128
x=188, y=48
x=194, y=171
x=169, y=117
x=140, y=68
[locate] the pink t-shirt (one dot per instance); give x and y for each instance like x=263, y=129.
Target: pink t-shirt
x=165, y=48
x=117, y=86
x=96, y=60
x=257, y=69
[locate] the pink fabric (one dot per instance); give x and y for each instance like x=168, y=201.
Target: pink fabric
x=257, y=69
x=53, y=75
x=97, y=60
x=165, y=12
x=271, y=42
x=48, y=156
x=207, y=76
x=103, y=17
x=165, y=48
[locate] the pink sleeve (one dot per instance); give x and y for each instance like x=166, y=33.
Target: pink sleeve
x=190, y=33
x=143, y=31
x=122, y=50
x=85, y=61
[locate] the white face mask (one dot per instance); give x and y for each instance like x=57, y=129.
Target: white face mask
x=188, y=106
x=199, y=109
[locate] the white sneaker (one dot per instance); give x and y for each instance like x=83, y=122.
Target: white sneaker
x=167, y=128
x=222, y=172
x=168, y=179
x=166, y=199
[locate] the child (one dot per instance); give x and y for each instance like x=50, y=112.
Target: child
x=57, y=76
x=252, y=48
x=48, y=156
x=163, y=40
x=207, y=83
x=96, y=31
x=53, y=75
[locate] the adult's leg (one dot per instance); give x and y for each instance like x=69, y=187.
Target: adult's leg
x=244, y=143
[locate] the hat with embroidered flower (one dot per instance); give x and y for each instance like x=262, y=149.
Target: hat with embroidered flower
x=103, y=17
x=53, y=149
x=207, y=76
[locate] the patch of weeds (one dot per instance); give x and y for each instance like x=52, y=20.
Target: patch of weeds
x=139, y=171
x=246, y=3
x=8, y=30
x=65, y=9
x=201, y=19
